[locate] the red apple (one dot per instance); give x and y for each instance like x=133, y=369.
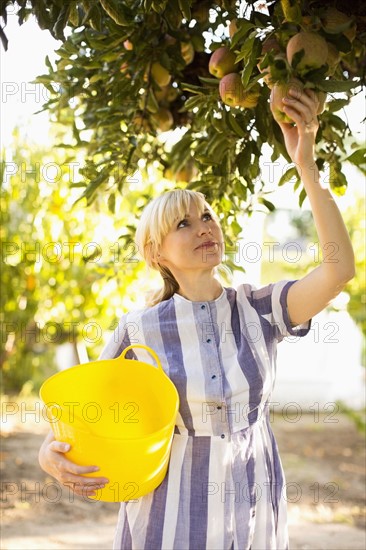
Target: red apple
x=233, y=93
x=222, y=62
x=315, y=51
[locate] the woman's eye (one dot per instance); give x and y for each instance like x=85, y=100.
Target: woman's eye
x=207, y=215
x=181, y=222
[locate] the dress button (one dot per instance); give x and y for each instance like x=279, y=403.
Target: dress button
x=203, y=307
x=222, y=436
x=219, y=408
x=208, y=340
x=213, y=376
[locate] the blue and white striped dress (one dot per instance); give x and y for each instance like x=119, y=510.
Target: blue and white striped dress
x=224, y=489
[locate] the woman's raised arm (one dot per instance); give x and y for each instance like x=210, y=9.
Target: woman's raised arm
x=312, y=293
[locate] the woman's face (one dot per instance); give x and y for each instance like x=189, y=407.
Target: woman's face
x=194, y=242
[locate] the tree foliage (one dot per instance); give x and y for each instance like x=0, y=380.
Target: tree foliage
x=127, y=71
x=63, y=280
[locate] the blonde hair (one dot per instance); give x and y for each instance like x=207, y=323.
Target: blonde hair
x=156, y=221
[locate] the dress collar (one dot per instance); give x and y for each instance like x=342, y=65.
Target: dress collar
x=178, y=297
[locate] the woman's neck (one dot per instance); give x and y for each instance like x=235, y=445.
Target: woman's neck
x=200, y=291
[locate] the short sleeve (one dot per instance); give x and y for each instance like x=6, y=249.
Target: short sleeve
x=280, y=314
x=270, y=304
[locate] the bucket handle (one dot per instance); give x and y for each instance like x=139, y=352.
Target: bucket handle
x=151, y=351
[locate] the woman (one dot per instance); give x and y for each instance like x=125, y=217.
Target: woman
x=225, y=486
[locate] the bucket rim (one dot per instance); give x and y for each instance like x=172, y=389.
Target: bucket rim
x=117, y=363
x=99, y=363
x=169, y=425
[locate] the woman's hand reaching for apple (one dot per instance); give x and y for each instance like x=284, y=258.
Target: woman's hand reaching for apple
x=300, y=138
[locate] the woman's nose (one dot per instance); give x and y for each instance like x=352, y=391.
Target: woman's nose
x=204, y=228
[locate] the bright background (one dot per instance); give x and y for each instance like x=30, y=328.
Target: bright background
x=313, y=370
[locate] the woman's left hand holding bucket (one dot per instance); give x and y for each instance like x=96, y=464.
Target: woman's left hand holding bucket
x=53, y=462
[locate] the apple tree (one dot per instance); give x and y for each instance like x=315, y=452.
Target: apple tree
x=128, y=72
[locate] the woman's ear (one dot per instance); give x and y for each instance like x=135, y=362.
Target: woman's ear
x=155, y=254
x=160, y=260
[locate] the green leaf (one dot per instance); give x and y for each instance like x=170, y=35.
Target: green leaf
x=340, y=41
x=336, y=85
x=254, y=80
x=194, y=102
x=336, y=104
x=48, y=63
x=95, y=17
x=239, y=189
x=335, y=121
x=112, y=203
x=218, y=124
x=185, y=8
x=147, y=5
x=192, y=88
x=245, y=50
x=244, y=27
x=302, y=196
x=243, y=159
x=236, y=126
x=357, y=157
x=261, y=20
x=58, y=28
x=216, y=142
x=93, y=186
x=268, y=204
x=115, y=11
x=338, y=181
x=297, y=58
x=210, y=81
x=97, y=77
x=288, y=175
x=251, y=63
x=333, y=137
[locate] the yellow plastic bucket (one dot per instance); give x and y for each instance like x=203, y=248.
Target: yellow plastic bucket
x=118, y=414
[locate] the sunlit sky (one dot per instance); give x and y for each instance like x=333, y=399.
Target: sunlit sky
x=24, y=60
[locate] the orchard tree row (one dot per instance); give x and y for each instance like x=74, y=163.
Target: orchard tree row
x=128, y=72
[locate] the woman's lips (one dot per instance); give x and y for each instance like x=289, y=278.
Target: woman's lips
x=207, y=244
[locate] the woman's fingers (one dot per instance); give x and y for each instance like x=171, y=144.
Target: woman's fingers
x=54, y=462
x=64, y=463
x=305, y=96
x=80, y=484
x=301, y=108
x=299, y=116
x=308, y=97
x=304, y=109
x=59, y=446
x=71, y=472
x=68, y=473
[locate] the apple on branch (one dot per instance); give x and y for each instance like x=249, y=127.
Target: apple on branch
x=222, y=62
x=160, y=74
x=281, y=90
x=336, y=22
x=187, y=51
x=315, y=51
x=233, y=93
x=163, y=119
